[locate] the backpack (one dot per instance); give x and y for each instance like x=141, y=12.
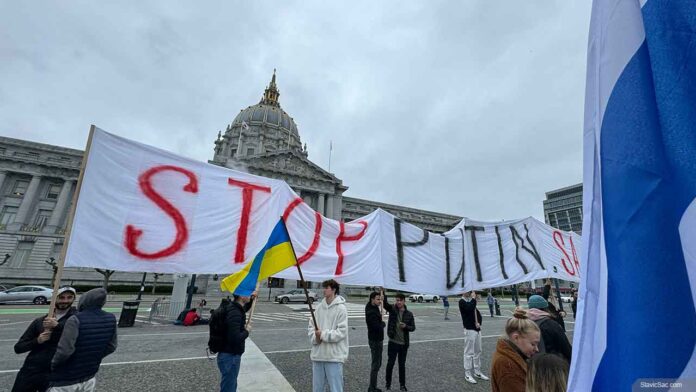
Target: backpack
x=218, y=331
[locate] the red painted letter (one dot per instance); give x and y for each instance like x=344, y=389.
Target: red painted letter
x=556, y=236
x=247, y=201
x=342, y=237
x=133, y=234
x=317, y=229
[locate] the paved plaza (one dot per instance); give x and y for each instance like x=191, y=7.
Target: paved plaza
x=163, y=357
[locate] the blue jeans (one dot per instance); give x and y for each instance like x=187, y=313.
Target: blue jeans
x=229, y=365
x=327, y=373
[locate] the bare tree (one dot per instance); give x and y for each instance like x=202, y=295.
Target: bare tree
x=154, y=283
x=52, y=262
x=107, y=274
x=6, y=259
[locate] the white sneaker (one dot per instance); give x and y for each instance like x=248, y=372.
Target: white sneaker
x=482, y=376
x=470, y=379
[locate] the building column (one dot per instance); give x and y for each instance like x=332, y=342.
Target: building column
x=330, y=207
x=307, y=198
x=27, y=201
x=320, y=203
x=3, y=174
x=338, y=204
x=61, y=205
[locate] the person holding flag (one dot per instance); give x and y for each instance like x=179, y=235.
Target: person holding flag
x=274, y=257
x=328, y=334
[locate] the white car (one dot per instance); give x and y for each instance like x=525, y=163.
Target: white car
x=38, y=295
x=296, y=296
x=566, y=299
x=423, y=298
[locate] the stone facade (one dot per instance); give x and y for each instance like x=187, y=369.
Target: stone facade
x=37, y=183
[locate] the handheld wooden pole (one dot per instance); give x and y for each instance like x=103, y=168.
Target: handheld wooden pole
x=68, y=228
x=253, y=306
x=304, y=283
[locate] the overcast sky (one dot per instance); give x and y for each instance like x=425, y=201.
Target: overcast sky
x=472, y=108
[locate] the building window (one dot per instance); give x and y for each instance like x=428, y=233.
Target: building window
x=53, y=191
x=20, y=187
x=8, y=215
x=42, y=218
x=21, y=254
x=250, y=151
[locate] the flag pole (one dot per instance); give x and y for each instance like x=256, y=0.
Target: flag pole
x=253, y=306
x=304, y=283
x=68, y=228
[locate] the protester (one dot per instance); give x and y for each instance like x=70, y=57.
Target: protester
x=574, y=304
x=471, y=318
x=509, y=368
x=549, y=294
x=401, y=323
x=87, y=338
x=491, y=302
x=547, y=373
x=228, y=333
x=375, y=337
x=553, y=339
x=191, y=318
x=40, y=340
x=329, y=339
x=445, y=305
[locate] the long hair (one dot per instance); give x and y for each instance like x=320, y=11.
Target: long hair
x=547, y=373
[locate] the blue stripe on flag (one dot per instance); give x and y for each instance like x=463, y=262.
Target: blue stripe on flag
x=648, y=172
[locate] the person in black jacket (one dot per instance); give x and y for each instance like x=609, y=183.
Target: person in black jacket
x=87, y=338
x=471, y=319
x=229, y=359
x=375, y=337
x=553, y=339
x=40, y=340
x=401, y=323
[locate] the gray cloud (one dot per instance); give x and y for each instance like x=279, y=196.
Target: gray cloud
x=472, y=108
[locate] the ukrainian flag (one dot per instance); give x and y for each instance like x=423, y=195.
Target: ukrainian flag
x=276, y=256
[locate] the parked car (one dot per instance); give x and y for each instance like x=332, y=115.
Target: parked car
x=423, y=298
x=38, y=295
x=566, y=298
x=296, y=296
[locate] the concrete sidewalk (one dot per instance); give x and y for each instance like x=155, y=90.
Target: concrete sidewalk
x=259, y=374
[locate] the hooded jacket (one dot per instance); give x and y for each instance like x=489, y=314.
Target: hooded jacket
x=509, y=368
x=553, y=339
x=87, y=338
x=332, y=320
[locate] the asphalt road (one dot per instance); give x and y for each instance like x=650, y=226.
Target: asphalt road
x=172, y=358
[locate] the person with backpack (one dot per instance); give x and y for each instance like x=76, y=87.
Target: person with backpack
x=553, y=339
x=228, y=333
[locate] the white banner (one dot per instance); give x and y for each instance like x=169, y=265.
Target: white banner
x=144, y=209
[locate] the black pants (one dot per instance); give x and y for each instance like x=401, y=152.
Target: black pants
x=30, y=381
x=376, y=353
x=394, y=350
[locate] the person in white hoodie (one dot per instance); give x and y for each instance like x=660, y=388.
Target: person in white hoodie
x=329, y=340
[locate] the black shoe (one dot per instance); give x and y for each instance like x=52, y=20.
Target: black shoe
x=403, y=388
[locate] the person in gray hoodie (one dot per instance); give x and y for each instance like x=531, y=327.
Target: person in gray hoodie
x=329, y=340
x=87, y=338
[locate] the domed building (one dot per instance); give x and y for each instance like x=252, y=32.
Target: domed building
x=263, y=139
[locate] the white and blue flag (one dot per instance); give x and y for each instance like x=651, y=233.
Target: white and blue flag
x=636, y=311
